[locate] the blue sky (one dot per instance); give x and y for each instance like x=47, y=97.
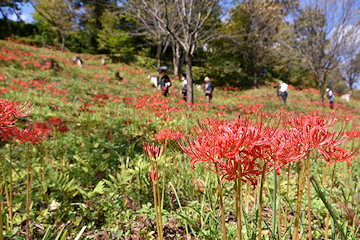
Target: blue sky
x=26, y=10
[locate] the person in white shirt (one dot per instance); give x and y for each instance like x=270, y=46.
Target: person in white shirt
x=184, y=85
x=330, y=96
x=283, y=91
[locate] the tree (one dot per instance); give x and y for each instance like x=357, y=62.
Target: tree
x=61, y=15
x=9, y=7
x=319, y=34
x=196, y=19
x=91, y=20
x=337, y=81
x=350, y=60
x=351, y=72
x=150, y=27
x=252, y=28
x=114, y=35
x=178, y=57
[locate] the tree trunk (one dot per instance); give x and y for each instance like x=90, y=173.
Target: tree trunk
x=178, y=58
x=351, y=88
x=255, y=79
x=62, y=42
x=189, y=85
x=158, y=54
x=322, y=78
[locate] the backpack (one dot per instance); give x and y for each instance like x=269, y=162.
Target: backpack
x=183, y=91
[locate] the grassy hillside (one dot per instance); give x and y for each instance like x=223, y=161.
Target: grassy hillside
x=92, y=171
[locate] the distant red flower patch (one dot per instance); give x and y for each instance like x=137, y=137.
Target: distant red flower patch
x=128, y=122
x=2, y=77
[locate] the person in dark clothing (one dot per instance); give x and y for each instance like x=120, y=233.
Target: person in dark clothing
x=283, y=90
x=277, y=90
x=165, y=83
x=209, y=88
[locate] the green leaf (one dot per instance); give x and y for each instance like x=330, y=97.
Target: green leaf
x=119, y=233
x=329, y=208
x=100, y=188
x=58, y=236
x=80, y=233
x=64, y=235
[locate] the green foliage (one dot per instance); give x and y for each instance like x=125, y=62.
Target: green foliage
x=114, y=36
x=61, y=182
x=116, y=185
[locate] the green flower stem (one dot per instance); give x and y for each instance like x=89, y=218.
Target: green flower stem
x=287, y=196
x=159, y=202
x=260, y=200
x=155, y=200
x=309, y=198
x=239, y=193
x=10, y=187
x=328, y=213
x=298, y=202
x=274, y=204
x=279, y=193
x=27, y=193
x=163, y=185
x=221, y=202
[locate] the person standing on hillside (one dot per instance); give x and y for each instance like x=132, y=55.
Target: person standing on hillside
x=209, y=88
x=283, y=91
x=330, y=96
x=184, y=85
x=165, y=83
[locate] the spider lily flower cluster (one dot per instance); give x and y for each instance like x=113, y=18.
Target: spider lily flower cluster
x=242, y=141
x=11, y=113
x=245, y=149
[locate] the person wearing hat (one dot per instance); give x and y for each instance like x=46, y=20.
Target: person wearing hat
x=165, y=83
x=209, y=88
x=283, y=91
x=330, y=96
x=184, y=86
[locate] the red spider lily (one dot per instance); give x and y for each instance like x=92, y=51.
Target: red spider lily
x=55, y=121
x=153, y=175
x=281, y=151
x=42, y=128
x=31, y=136
x=63, y=129
x=153, y=152
x=167, y=134
x=110, y=135
x=10, y=113
x=128, y=122
x=9, y=133
x=229, y=143
x=313, y=132
x=338, y=154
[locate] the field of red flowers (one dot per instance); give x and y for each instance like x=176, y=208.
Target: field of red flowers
x=88, y=155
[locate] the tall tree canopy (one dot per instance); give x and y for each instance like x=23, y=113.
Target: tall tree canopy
x=319, y=34
x=62, y=15
x=252, y=29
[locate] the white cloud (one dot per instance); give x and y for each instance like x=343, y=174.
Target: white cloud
x=24, y=16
